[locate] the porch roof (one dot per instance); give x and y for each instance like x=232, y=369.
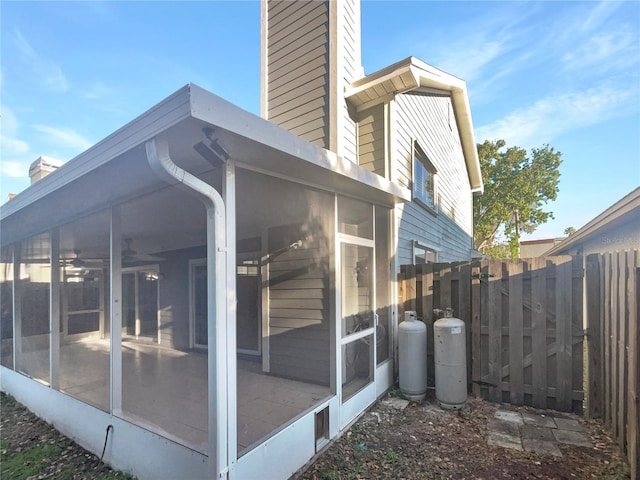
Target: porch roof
x=116, y=168
x=410, y=74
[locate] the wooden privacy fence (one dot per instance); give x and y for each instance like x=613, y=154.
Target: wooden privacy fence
x=523, y=320
x=613, y=346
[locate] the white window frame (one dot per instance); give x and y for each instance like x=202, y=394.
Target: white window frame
x=420, y=157
x=416, y=246
x=193, y=263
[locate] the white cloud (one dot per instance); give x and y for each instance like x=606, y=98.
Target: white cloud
x=12, y=169
x=468, y=62
x=599, y=15
x=8, y=121
x=97, y=91
x=10, y=144
x=605, y=51
x=552, y=116
x=47, y=71
x=15, y=153
x=64, y=137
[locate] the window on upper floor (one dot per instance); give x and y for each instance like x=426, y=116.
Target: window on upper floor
x=422, y=254
x=424, y=188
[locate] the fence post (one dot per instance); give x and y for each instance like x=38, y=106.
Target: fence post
x=516, y=343
x=594, y=338
x=494, y=355
x=476, y=370
x=401, y=291
x=564, y=338
x=633, y=396
x=539, y=347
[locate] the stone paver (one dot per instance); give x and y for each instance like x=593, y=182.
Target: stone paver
x=508, y=416
x=571, y=437
x=569, y=424
x=539, y=420
x=504, y=440
x=397, y=403
x=502, y=426
x=536, y=432
x=541, y=446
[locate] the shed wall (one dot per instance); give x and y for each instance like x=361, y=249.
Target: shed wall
x=609, y=239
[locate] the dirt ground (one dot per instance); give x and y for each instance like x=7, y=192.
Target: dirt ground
x=425, y=442
x=32, y=449
x=420, y=442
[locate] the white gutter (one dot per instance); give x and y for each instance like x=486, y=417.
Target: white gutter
x=161, y=163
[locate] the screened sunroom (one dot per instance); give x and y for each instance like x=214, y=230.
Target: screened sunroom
x=216, y=289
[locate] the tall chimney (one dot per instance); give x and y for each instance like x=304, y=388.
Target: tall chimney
x=311, y=50
x=42, y=167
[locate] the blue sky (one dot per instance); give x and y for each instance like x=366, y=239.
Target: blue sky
x=562, y=73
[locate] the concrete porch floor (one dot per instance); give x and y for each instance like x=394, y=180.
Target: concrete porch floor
x=165, y=390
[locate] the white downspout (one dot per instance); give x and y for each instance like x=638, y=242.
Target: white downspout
x=161, y=163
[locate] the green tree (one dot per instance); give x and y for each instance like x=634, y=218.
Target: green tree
x=569, y=231
x=516, y=188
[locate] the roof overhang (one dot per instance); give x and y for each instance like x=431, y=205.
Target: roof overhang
x=626, y=211
x=116, y=168
x=411, y=74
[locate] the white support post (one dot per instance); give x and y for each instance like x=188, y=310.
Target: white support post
x=54, y=310
x=115, y=274
x=232, y=366
x=17, y=307
x=336, y=343
x=217, y=299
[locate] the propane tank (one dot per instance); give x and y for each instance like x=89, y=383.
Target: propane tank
x=412, y=354
x=450, y=361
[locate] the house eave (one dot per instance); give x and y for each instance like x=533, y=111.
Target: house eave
x=411, y=74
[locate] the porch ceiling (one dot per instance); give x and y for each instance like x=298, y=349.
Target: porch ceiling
x=116, y=169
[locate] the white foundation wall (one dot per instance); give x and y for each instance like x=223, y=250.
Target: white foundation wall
x=129, y=448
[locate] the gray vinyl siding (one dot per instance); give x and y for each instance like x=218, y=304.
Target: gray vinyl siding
x=371, y=140
x=299, y=311
x=429, y=119
x=351, y=70
x=297, y=68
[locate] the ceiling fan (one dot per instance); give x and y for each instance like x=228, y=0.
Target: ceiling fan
x=129, y=255
x=78, y=263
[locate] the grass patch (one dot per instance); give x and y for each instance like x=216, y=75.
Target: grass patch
x=22, y=465
x=70, y=472
x=115, y=476
x=393, y=456
x=329, y=475
x=397, y=393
